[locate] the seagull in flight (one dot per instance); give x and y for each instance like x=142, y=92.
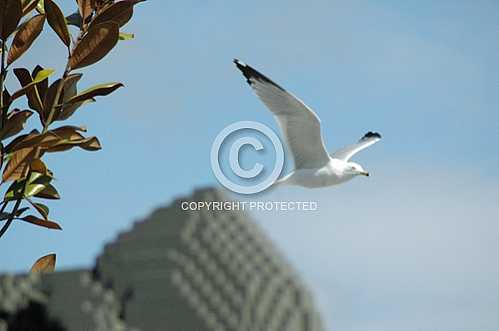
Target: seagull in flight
x=301, y=127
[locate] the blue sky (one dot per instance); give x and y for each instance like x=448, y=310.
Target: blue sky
x=412, y=247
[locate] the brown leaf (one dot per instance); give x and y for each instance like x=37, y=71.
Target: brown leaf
x=42, y=86
x=39, y=166
x=69, y=132
x=44, y=264
x=48, y=99
x=7, y=99
x=70, y=86
x=29, y=6
x=41, y=222
x=96, y=44
x=91, y=144
x=49, y=193
x=18, y=165
x=57, y=22
x=95, y=91
x=43, y=140
x=69, y=91
x=86, y=9
x=14, y=144
x=41, y=208
x=119, y=12
x=25, y=36
x=11, y=12
x=15, y=123
x=32, y=93
x=71, y=137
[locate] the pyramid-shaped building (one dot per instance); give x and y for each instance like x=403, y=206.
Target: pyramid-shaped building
x=176, y=270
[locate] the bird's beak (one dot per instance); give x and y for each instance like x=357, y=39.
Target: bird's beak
x=365, y=173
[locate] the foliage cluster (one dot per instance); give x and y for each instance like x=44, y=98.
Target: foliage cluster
x=96, y=26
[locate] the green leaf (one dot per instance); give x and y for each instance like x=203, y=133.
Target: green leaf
x=126, y=36
x=36, y=184
x=40, y=7
x=43, y=74
x=57, y=21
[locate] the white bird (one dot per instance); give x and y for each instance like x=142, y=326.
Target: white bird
x=301, y=127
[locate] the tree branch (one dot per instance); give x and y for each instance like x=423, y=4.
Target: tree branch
x=2, y=80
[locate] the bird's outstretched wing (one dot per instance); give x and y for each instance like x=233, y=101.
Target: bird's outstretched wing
x=300, y=125
x=347, y=152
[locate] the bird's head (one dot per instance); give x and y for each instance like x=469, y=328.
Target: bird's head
x=355, y=169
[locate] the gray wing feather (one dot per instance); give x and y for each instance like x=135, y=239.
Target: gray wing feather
x=299, y=124
x=347, y=152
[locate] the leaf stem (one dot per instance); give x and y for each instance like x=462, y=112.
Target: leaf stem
x=2, y=80
x=56, y=98
x=46, y=126
x=11, y=217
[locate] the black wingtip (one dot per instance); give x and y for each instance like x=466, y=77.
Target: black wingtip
x=246, y=70
x=371, y=134
x=250, y=73
x=237, y=62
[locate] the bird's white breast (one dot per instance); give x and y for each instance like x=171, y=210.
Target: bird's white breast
x=331, y=174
